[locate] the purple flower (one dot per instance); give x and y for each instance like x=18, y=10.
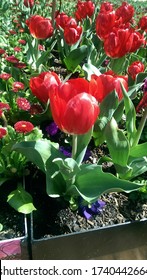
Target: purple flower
x=52, y=129
x=144, y=87
x=95, y=209
x=66, y=151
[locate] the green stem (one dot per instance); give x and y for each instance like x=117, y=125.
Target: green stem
x=74, y=145
x=4, y=120
x=53, y=12
x=140, y=128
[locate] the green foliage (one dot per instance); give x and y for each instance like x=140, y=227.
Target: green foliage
x=21, y=200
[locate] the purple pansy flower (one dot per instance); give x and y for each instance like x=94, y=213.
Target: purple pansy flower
x=95, y=209
x=52, y=129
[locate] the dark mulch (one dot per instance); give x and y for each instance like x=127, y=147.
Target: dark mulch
x=12, y=221
x=53, y=216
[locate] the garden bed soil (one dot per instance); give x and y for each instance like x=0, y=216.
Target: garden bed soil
x=54, y=217
x=11, y=220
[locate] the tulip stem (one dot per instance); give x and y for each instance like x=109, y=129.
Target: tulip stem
x=74, y=145
x=53, y=12
x=140, y=128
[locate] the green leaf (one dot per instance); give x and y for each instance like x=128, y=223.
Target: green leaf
x=117, y=65
x=68, y=168
x=130, y=116
x=139, y=150
x=37, y=152
x=140, y=77
x=91, y=182
x=107, y=109
x=21, y=201
x=75, y=57
x=117, y=143
x=82, y=143
x=138, y=165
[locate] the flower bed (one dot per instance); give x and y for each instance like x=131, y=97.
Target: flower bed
x=73, y=109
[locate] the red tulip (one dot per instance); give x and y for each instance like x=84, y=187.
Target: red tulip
x=138, y=40
x=72, y=35
x=125, y=11
x=104, y=84
x=84, y=9
x=72, y=32
x=135, y=68
x=121, y=41
x=104, y=24
x=106, y=7
x=40, y=27
x=40, y=85
x=143, y=23
x=29, y=3
x=62, y=19
x=74, y=110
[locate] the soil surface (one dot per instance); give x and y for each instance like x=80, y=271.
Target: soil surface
x=11, y=220
x=53, y=216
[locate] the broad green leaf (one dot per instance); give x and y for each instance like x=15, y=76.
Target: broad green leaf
x=75, y=57
x=117, y=65
x=21, y=201
x=117, y=143
x=138, y=165
x=90, y=69
x=37, y=152
x=91, y=182
x=68, y=168
x=107, y=109
x=130, y=116
x=139, y=150
x=82, y=143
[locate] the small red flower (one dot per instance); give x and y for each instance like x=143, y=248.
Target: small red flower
x=17, y=86
x=17, y=49
x=23, y=103
x=20, y=65
x=12, y=59
x=3, y=132
x=35, y=109
x=2, y=51
x=5, y=76
x=135, y=68
x=22, y=42
x=13, y=32
x=3, y=107
x=23, y=127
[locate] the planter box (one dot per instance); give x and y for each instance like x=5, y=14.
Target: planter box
x=124, y=241
x=16, y=248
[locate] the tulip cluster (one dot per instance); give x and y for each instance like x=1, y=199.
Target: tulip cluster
x=40, y=27
x=84, y=9
x=114, y=27
x=72, y=31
